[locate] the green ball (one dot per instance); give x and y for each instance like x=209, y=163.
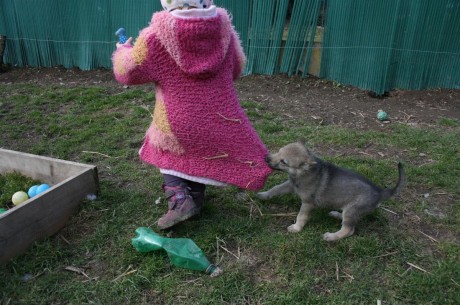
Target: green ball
x=382, y=115
x=2, y=210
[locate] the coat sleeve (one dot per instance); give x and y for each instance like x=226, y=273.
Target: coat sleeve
x=133, y=65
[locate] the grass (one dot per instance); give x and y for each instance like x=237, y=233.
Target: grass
x=10, y=183
x=263, y=264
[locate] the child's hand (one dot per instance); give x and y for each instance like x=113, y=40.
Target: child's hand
x=127, y=43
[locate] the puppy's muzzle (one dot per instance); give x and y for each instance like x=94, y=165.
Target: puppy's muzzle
x=268, y=159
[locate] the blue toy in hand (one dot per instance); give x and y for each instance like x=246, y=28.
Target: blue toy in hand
x=121, y=33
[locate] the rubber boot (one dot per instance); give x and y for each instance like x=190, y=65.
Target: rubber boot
x=181, y=206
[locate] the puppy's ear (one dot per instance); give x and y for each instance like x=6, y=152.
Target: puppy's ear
x=310, y=158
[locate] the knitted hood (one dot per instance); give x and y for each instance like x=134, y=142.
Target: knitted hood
x=197, y=40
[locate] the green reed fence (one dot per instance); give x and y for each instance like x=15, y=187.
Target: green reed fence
x=377, y=45
x=71, y=33
x=300, y=39
x=385, y=44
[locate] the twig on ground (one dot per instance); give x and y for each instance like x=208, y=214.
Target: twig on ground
x=282, y=214
x=407, y=270
x=423, y=164
x=219, y=257
x=417, y=267
x=386, y=254
x=76, y=270
x=390, y=211
x=194, y=281
x=65, y=240
x=147, y=109
x=429, y=237
x=127, y=272
x=226, y=250
x=252, y=204
x=359, y=112
x=260, y=212
x=217, y=251
x=97, y=153
x=407, y=117
x=337, y=271
x=350, y=277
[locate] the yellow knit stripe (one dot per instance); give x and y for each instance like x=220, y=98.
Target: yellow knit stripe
x=140, y=50
x=160, y=117
x=118, y=65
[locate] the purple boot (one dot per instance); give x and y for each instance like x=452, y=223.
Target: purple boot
x=180, y=206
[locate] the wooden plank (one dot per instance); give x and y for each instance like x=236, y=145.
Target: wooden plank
x=45, y=214
x=45, y=169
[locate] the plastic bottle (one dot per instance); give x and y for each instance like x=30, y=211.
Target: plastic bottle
x=121, y=33
x=182, y=252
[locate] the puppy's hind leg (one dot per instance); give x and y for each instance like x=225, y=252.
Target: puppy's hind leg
x=347, y=229
x=302, y=218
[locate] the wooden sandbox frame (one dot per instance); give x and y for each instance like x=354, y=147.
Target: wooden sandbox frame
x=45, y=214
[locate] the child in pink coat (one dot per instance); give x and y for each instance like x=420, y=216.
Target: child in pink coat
x=200, y=135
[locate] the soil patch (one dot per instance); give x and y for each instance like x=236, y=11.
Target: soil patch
x=310, y=99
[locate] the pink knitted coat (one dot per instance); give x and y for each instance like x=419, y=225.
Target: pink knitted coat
x=199, y=130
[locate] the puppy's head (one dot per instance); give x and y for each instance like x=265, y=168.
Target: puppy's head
x=293, y=159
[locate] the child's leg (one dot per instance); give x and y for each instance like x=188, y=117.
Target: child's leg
x=197, y=191
x=171, y=180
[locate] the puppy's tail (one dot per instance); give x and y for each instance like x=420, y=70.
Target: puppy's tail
x=387, y=193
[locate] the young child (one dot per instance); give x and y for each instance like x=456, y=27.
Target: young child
x=200, y=135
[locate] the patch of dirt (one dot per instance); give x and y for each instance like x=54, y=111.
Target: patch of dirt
x=319, y=101
x=310, y=99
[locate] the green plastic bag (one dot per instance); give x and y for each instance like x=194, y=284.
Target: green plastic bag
x=182, y=252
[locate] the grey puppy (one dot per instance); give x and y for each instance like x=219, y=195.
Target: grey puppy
x=322, y=184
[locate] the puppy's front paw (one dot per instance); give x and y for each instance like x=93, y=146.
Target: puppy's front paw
x=294, y=228
x=329, y=236
x=263, y=195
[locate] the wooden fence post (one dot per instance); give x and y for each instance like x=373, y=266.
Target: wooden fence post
x=2, y=50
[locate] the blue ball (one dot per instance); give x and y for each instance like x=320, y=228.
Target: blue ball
x=32, y=191
x=41, y=188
